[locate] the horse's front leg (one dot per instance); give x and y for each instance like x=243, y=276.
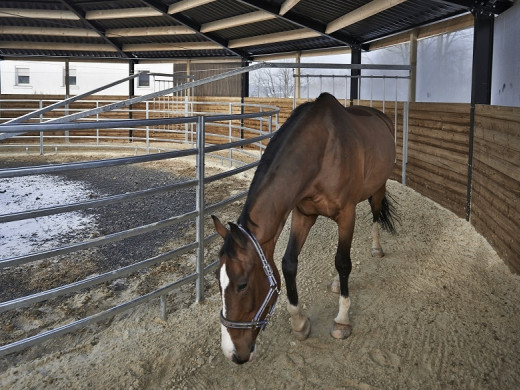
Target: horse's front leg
x=300, y=227
x=341, y=328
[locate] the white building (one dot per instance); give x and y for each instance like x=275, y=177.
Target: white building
x=44, y=77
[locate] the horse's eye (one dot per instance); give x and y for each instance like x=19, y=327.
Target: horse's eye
x=241, y=287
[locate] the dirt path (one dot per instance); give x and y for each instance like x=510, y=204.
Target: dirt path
x=440, y=311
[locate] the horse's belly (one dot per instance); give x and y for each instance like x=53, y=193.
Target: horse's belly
x=318, y=205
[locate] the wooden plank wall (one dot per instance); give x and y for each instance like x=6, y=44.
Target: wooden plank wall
x=495, y=207
x=438, y=139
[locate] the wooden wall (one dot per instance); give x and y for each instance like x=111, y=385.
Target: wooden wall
x=438, y=139
x=495, y=207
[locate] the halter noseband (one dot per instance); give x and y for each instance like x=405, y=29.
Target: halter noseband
x=273, y=288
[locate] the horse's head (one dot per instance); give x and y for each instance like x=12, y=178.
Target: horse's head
x=248, y=288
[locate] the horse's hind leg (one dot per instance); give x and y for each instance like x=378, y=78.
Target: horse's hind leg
x=342, y=328
x=376, y=204
x=300, y=227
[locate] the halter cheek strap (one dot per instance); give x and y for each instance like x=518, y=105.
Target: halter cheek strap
x=273, y=289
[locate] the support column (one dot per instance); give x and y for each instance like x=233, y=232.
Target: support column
x=413, y=66
x=481, y=81
x=67, y=79
x=297, y=84
x=355, y=59
x=482, y=58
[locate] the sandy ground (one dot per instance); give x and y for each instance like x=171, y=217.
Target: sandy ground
x=439, y=311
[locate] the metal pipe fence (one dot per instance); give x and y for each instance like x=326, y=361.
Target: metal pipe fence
x=194, y=133
x=201, y=151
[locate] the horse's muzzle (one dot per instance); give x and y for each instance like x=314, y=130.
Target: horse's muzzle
x=236, y=359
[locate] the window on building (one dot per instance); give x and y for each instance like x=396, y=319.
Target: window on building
x=22, y=76
x=72, y=76
x=143, y=80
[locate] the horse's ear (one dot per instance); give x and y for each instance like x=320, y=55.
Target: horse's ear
x=219, y=227
x=237, y=235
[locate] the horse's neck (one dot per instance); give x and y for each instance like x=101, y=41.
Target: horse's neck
x=274, y=201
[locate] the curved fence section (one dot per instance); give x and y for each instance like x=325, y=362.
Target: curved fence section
x=235, y=140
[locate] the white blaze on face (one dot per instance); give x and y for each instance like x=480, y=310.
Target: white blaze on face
x=227, y=345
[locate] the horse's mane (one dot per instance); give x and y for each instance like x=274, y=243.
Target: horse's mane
x=276, y=143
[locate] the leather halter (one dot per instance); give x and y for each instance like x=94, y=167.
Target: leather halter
x=273, y=289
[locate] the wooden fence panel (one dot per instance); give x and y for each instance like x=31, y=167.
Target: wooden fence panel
x=495, y=207
x=438, y=148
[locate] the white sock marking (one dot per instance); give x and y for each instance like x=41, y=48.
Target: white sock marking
x=344, y=306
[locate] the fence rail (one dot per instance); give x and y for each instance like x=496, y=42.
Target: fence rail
x=266, y=122
x=195, y=132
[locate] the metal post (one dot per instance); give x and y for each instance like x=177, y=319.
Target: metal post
x=67, y=95
x=41, y=132
x=413, y=63
x=131, y=93
x=297, y=80
x=355, y=59
x=200, y=209
x=164, y=315
x=346, y=91
x=97, y=120
x=147, y=129
x=405, y=143
x=230, y=139
x=186, y=114
x=384, y=93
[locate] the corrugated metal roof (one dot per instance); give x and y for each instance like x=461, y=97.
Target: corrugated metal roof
x=151, y=29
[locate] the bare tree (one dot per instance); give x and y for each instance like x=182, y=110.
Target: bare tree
x=273, y=82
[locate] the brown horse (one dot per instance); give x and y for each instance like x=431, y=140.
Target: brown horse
x=323, y=161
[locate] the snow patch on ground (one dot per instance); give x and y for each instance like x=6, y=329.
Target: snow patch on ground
x=18, y=194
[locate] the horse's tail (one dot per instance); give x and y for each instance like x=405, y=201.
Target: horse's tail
x=388, y=215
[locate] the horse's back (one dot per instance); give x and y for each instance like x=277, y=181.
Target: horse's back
x=363, y=136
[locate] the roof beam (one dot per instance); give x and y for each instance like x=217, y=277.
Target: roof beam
x=287, y=5
x=37, y=13
x=51, y=31
x=184, y=5
x=363, y=12
x=57, y=46
x=123, y=13
x=148, y=31
x=179, y=18
x=234, y=21
x=93, y=26
x=302, y=21
x=171, y=46
x=292, y=35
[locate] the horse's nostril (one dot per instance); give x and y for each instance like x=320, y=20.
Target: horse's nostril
x=252, y=348
x=236, y=360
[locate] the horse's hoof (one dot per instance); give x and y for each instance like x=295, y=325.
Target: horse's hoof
x=334, y=287
x=377, y=252
x=341, y=331
x=304, y=332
